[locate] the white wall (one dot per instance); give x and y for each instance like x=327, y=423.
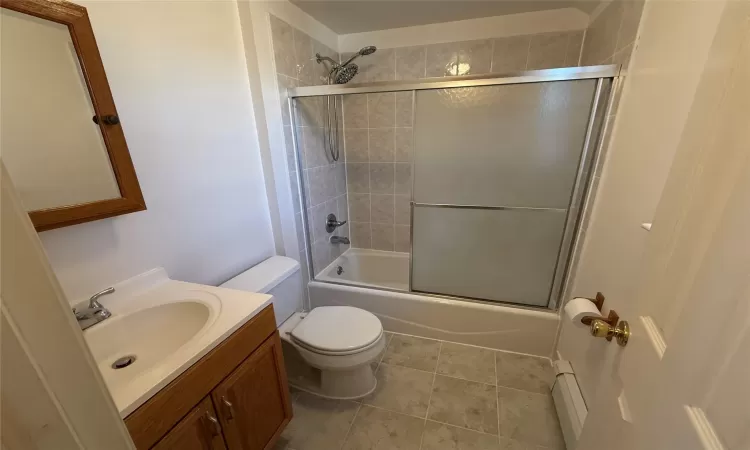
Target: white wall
x=46, y=114
x=564, y=19
x=178, y=75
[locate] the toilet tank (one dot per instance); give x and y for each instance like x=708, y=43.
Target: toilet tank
x=278, y=276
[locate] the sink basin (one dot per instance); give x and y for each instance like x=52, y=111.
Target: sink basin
x=141, y=339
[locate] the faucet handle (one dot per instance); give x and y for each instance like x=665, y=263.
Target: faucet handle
x=332, y=223
x=93, y=301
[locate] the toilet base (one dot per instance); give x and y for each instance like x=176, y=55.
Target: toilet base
x=348, y=384
x=349, y=387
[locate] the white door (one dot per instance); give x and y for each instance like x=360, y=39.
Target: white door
x=52, y=395
x=686, y=367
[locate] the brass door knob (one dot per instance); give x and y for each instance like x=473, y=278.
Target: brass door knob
x=621, y=332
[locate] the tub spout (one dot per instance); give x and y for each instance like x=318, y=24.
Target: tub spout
x=340, y=240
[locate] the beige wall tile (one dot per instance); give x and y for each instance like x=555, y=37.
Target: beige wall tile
x=285, y=83
x=356, y=142
x=358, y=177
x=315, y=147
x=381, y=178
x=359, y=207
x=382, y=237
x=355, y=111
x=403, y=178
x=510, y=54
x=402, y=208
x=410, y=63
x=381, y=110
x=321, y=70
x=601, y=36
x=573, y=53
x=441, y=60
x=380, y=66
x=382, y=209
x=474, y=57
x=404, y=144
x=321, y=184
x=632, y=10
x=402, y=238
x=309, y=112
x=339, y=170
x=343, y=207
x=316, y=217
x=547, y=51
x=321, y=251
x=404, y=109
x=361, y=235
x=282, y=36
x=381, y=144
x=305, y=62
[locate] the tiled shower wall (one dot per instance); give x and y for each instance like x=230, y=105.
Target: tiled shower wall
x=324, y=179
x=378, y=127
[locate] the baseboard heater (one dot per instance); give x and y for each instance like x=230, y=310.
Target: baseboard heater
x=571, y=409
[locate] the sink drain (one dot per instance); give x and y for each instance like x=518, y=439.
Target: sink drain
x=123, y=362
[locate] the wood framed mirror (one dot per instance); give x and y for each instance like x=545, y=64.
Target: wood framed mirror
x=60, y=134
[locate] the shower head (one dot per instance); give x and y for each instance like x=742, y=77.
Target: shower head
x=364, y=51
x=344, y=74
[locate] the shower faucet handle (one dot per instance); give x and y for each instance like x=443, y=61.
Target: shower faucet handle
x=332, y=223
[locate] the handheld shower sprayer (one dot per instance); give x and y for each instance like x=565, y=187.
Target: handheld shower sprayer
x=338, y=74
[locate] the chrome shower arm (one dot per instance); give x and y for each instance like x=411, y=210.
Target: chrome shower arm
x=320, y=59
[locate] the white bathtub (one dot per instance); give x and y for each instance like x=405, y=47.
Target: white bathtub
x=365, y=267
x=509, y=328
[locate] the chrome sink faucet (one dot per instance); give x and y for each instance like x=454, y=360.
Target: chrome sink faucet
x=95, y=312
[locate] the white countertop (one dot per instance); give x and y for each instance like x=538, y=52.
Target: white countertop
x=228, y=310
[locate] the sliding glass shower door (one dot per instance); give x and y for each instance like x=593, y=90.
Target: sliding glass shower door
x=495, y=169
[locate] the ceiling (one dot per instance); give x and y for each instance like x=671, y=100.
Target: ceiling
x=356, y=16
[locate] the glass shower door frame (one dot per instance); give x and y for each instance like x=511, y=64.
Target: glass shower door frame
x=605, y=76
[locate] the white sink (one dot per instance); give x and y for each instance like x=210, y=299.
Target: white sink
x=167, y=326
x=149, y=335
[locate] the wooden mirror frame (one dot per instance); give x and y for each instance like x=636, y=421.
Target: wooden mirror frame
x=131, y=199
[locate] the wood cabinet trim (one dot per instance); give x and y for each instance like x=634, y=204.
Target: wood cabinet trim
x=76, y=18
x=153, y=420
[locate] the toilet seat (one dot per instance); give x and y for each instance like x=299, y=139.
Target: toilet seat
x=338, y=330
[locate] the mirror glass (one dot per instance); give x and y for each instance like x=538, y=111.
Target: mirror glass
x=52, y=148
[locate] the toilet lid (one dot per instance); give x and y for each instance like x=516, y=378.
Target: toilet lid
x=337, y=329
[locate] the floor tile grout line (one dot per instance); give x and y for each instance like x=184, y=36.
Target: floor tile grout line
x=497, y=401
x=351, y=425
x=429, y=400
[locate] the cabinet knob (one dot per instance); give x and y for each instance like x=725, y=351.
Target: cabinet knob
x=229, y=407
x=107, y=120
x=215, y=427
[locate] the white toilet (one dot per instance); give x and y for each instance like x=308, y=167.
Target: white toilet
x=327, y=351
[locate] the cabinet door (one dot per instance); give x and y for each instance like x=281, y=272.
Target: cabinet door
x=253, y=401
x=199, y=430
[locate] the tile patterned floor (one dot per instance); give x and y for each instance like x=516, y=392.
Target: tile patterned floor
x=435, y=395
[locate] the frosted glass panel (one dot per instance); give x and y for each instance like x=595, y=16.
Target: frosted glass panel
x=503, y=255
x=506, y=145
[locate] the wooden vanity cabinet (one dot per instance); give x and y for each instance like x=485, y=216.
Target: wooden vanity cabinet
x=199, y=430
x=234, y=398
x=250, y=401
